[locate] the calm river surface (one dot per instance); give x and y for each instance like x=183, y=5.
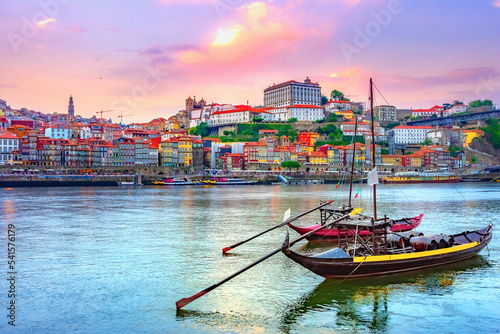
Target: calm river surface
x=115, y=260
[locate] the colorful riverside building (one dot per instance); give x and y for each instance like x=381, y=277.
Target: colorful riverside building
x=430, y=157
x=19, y=130
x=181, y=151
x=8, y=143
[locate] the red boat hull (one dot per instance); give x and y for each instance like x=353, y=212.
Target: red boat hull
x=326, y=234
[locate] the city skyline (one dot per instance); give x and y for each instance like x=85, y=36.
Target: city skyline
x=146, y=58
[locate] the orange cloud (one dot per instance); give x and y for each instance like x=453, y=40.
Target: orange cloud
x=255, y=36
x=225, y=36
x=43, y=23
x=191, y=57
x=353, y=73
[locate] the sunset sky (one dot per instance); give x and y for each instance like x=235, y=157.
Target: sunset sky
x=144, y=58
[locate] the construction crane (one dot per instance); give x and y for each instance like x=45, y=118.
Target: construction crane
x=103, y=111
x=121, y=117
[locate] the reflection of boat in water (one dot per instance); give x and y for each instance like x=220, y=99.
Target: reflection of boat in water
x=127, y=183
x=470, y=179
x=363, y=305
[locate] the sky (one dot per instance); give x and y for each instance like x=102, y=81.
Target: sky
x=142, y=59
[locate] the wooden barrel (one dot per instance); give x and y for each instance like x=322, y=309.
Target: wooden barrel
x=395, y=241
x=441, y=240
x=451, y=241
x=406, y=236
x=423, y=243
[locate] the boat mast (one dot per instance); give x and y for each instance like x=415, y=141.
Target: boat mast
x=353, y=156
x=373, y=151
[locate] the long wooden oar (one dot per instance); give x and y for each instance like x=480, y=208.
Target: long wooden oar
x=289, y=220
x=184, y=301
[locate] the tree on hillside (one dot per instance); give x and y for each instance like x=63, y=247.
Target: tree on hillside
x=327, y=129
x=290, y=165
x=257, y=119
x=200, y=130
x=427, y=141
x=292, y=120
x=481, y=103
x=324, y=100
x=338, y=94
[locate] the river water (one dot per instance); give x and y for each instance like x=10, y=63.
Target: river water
x=116, y=259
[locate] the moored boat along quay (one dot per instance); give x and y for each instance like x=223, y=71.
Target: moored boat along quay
x=17, y=177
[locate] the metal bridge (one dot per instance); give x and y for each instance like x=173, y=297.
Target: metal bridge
x=443, y=121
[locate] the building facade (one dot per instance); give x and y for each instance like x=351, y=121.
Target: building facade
x=385, y=113
x=291, y=93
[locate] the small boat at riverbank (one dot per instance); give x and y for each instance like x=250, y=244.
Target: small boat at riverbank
x=424, y=177
x=180, y=181
x=228, y=181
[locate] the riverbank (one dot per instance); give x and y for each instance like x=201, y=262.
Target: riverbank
x=107, y=181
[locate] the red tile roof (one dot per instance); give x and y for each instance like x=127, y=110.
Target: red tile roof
x=7, y=135
x=413, y=127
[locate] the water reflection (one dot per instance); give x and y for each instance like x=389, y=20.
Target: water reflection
x=362, y=304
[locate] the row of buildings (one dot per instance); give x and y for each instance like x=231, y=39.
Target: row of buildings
x=176, y=149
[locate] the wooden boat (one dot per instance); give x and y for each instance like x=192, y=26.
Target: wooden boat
x=375, y=255
x=229, y=181
x=400, y=225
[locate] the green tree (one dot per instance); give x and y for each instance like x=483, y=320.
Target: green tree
x=427, y=141
x=338, y=94
x=290, y=165
x=327, y=129
x=492, y=132
x=324, y=100
x=292, y=120
x=481, y=103
x=200, y=130
x=392, y=125
x=257, y=119
x=453, y=150
x=473, y=159
x=333, y=118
